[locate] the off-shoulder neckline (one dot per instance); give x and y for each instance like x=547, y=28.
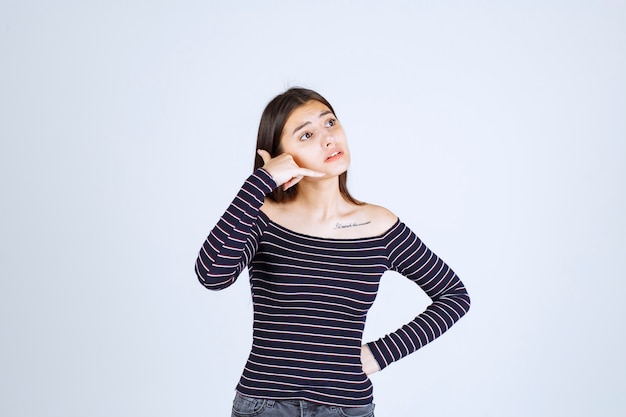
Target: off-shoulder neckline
x=335, y=239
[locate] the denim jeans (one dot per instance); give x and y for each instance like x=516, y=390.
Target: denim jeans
x=244, y=406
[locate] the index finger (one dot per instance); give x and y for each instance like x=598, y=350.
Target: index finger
x=310, y=173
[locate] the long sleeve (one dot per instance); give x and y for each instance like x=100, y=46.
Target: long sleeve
x=233, y=241
x=408, y=255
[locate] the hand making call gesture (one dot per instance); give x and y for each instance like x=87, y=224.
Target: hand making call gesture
x=284, y=169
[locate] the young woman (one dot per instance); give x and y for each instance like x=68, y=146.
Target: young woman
x=315, y=256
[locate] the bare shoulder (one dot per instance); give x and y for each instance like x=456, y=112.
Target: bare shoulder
x=382, y=219
x=353, y=221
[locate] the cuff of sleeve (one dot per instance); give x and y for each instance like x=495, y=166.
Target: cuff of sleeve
x=378, y=355
x=265, y=180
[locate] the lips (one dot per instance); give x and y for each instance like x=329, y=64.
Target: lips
x=333, y=156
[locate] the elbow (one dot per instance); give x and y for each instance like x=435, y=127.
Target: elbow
x=464, y=301
x=468, y=302
x=212, y=280
x=458, y=299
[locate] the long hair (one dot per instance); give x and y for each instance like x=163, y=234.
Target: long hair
x=271, y=128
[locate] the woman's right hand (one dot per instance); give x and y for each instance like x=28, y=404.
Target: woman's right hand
x=284, y=169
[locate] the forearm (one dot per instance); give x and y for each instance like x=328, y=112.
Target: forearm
x=435, y=320
x=231, y=243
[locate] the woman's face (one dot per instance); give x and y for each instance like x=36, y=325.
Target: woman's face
x=315, y=139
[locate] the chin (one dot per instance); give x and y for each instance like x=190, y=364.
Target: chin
x=336, y=173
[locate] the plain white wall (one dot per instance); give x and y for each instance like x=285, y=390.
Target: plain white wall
x=496, y=131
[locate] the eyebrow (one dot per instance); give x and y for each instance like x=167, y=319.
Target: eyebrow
x=322, y=114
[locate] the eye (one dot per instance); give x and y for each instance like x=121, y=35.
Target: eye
x=331, y=122
x=306, y=136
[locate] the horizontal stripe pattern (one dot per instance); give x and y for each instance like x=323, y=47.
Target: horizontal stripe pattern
x=232, y=242
x=311, y=296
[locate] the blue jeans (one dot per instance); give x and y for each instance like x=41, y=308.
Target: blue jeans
x=244, y=406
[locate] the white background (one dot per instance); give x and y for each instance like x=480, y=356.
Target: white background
x=495, y=130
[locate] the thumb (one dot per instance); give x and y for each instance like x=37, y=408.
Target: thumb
x=265, y=155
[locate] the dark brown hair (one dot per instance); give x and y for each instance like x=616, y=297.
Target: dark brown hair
x=271, y=127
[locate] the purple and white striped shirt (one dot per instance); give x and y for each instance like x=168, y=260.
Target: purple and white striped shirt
x=311, y=296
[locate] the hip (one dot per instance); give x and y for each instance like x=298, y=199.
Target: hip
x=244, y=406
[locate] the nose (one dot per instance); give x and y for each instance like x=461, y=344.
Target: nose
x=328, y=141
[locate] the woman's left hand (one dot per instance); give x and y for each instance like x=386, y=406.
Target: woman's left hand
x=368, y=360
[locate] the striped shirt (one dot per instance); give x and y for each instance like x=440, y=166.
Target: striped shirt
x=311, y=296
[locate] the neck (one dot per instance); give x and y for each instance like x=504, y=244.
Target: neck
x=321, y=198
